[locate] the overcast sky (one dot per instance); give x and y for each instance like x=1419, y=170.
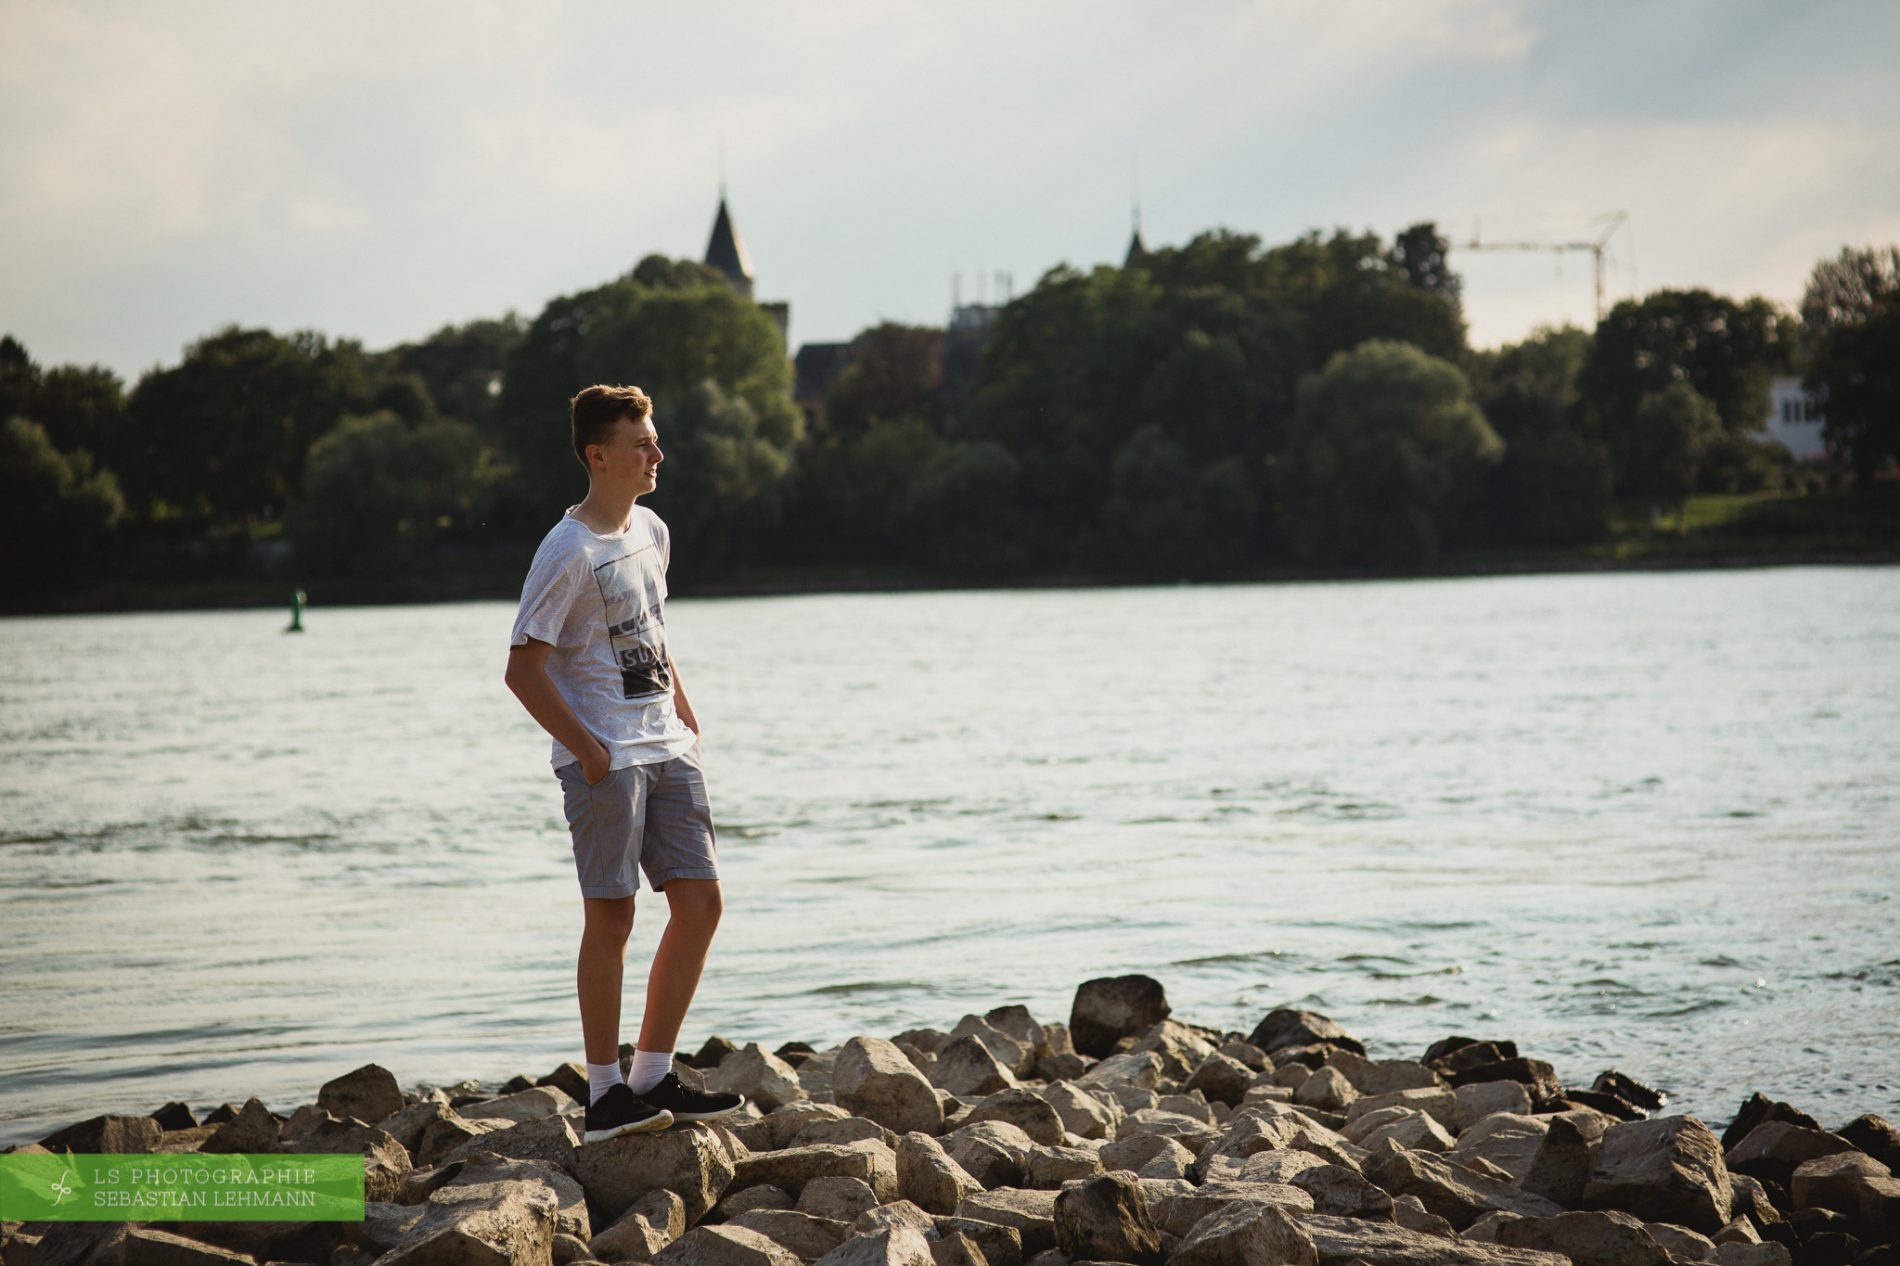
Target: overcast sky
x=377, y=170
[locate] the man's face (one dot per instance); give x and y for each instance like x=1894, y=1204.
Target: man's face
x=630, y=456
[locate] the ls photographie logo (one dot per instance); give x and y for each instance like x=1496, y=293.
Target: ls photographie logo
x=186, y=1187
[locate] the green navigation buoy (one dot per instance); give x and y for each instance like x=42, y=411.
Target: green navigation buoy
x=296, y=611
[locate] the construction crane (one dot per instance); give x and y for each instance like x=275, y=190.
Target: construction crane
x=1614, y=220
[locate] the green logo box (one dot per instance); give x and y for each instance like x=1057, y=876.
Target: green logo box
x=182, y=1187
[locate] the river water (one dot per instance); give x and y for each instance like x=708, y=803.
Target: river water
x=1647, y=821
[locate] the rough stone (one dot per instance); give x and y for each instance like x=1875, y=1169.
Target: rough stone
x=1138, y=1069
x=957, y=1249
x=777, y=1128
x=119, y=1134
x=1019, y=1057
x=1561, y=1169
x=869, y=1161
x=1188, y=1105
x=253, y=1129
x=1179, y=1210
x=738, y=1202
x=1834, y=1181
x=967, y=1067
x=1410, y=1213
x=1669, y=1169
x=1285, y=1029
x=1341, y=1191
x=1190, y=1132
x=1382, y=1076
x=1222, y=1078
x=928, y=1176
x=1682, y=1244
x=568, y=1249
x=688, y=1161
x=1759, y=1109
x=1246, y=1235
x=762, y=1077
x=570, y=1207
x=1538, y=1078
x=892, y=1246
x=1081, y=1113
x=537, y=1103
x=1032, y=1213
x=808, y=1237
x=1879, y=1210
x=844, y=1130
x=1771, y=1151
x=1344, y=1240
x=548, y=1140
x=1024, y=1109
x=992, y=1152
x=477, y=1223
x=872, y=1078
x=1409, y=1128
x=1106, y=1218
x=1481, y=1099
x=1588, y=1239
x=725, y=1246
x=407, y=1124
x=1509, y=1140
x=1871, y=1133
x=1437, y=1102
x=895, y=1214
x=1327, y=1088
x=837, y=1198
x=1179, y=1047
x=649, y=1225
x=1110, y=1008
x=369, y=1094
x=1133, y=1152
x=1454, y=1194
x=1049, y=1168
x=1016, y=1021
x=148, y=1246
x=1002, y=1245
x=1753, y=1255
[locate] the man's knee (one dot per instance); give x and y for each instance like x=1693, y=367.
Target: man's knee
x=698, y=902
x=610, y=918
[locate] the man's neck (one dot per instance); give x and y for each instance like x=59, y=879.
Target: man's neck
x=605, y=511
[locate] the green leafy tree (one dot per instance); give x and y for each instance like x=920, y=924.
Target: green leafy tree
x=721, y=385
x=1388, y=447
x=1553, y=485
x=895, y=371
x=461, y=367
x=1727, y=351
x=849, y=495
x=1675, y=428
x=83, y=408
x=379, y=490
x=1422, y=256
x=59, y=512
x=964, y=512
x=1851, y=312
x=226, y=431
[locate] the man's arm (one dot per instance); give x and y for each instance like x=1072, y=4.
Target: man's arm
x=527, y=676
x=681, y=704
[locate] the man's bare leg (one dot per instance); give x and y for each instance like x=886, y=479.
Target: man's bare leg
x=603, y=958
x=694, y=907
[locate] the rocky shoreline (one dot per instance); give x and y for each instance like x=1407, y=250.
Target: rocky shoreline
x=1124, y=1135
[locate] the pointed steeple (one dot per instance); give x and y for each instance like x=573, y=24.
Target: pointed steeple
x=726, y=251
x=1137, y=249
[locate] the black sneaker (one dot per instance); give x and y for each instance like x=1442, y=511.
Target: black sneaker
x=672, y=1096
x=618, y=1112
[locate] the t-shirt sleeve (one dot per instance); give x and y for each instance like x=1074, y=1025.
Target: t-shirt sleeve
x=547, y=597
x=663, y=537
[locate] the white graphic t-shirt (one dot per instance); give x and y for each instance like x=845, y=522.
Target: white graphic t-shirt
x=599, y=602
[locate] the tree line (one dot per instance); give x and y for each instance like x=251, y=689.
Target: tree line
x=1217, y=409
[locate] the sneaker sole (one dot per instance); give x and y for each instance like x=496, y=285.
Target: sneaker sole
x=682, y=1117
x=658, y=1121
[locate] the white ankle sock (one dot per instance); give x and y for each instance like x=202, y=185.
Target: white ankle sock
x=649, y=1069
x=601, y=1078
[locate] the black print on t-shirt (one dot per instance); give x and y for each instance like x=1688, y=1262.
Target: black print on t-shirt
x=636, y=627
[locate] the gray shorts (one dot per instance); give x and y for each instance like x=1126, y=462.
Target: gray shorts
x=654, y=818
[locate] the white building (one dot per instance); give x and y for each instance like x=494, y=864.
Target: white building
x=1795, y=419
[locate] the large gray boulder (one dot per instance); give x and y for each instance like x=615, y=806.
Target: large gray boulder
x=1110, y=1008
x=1610, y=1238
x=1506, y=1139
x=1382, y=1076
x=253, y=1129
x=1669, y=1169
x=1287, y=1028
x=927, y=1176
x=868, y=1160
x=1106, y=1219
x=509, y=1222
x=1772, y=1151
x=650, y=1223
x=1561, y=1169
x=891, y=1246
x=385, y=1161
x=1083, y=1114
x=570, y=1209
x=1179, y=1211
x=1222, y=1078
x=1024, y=1109
x=780, y=1126
x=533, y=1104
x=1343, y=1240
x=724, y=1246
x=966, y=1068
x=807, y=1236
x=1340, y=1191
x=549, y=1140
x=1450, y=1191
x=1031, y=1213
x=836, y=1198
x=995, y=1153
x=1052, y=1168
x=762, y=1077
x=1438, y=1102
x=874, y=1079
x=1247, y=1235
x=369, y=1094
x=686, y=1160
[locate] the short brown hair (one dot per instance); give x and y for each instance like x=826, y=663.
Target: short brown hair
x=593, y=412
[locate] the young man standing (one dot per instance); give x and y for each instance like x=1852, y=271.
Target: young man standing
x=588, y=660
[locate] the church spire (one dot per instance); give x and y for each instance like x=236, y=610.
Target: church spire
x=1137, y=249
x=726, y=250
